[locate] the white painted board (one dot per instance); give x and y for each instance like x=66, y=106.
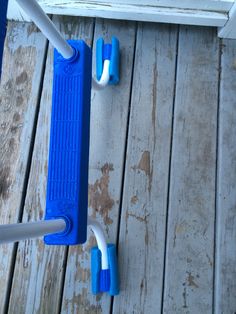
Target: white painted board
x=214, y=5
x=214, y=14
x=229, y=29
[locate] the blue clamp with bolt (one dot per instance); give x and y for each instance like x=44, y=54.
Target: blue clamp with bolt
x=108, y=52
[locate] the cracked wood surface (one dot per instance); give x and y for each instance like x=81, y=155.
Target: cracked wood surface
x=109, y=117
x=225, y=283
x=142, y=231
x=39, y=269
x=20, y=84
x=191, y=212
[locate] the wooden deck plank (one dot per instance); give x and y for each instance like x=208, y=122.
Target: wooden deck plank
x=190, y=237
x=38, y=276
x=225, y=283
x=109, y=115
x=142, y=234
x=39, y=270
x=19, y=92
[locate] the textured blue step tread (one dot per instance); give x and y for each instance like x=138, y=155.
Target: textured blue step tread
x=67, y=185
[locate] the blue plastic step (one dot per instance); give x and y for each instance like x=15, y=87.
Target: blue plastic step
x=67, y=185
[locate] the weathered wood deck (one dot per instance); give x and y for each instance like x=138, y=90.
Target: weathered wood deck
x=162, y=172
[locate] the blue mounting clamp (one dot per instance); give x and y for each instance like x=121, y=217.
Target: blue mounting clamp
x=105, y=280
x=67, y=186
x=108, y=52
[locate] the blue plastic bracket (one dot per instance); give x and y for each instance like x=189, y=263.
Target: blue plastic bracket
x=108, y=52
x=105, y=280
x=67, y=186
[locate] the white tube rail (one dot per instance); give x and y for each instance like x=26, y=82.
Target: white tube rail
x=36, y=13
x=23, y=231
x=101, y=240
x=104, y=78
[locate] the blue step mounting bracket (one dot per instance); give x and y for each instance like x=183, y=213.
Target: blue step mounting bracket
x=108, y=52
x=105, y=280
x=67, y=185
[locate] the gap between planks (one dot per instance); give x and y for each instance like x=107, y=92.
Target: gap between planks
x=109, y=113
x=39, y=270
x=125, y=156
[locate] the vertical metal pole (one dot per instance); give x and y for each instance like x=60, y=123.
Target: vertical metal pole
x=36, y=13
x=23, y=231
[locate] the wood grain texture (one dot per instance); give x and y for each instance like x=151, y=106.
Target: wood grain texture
x=109, y=114
x=190, y=237
x=142, y=232
x=201, y=12
x=213, y=5
x=19, y=91
x=136, y=12
x=38, y=275
x=225, y=283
